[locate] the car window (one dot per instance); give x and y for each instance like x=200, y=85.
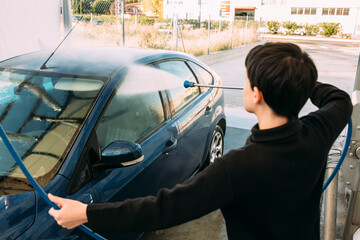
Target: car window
x=202, y=74
x=41, y=114
x=132, y=112
x=179, y=95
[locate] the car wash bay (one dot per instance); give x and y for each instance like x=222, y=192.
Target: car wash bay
x=336, y=63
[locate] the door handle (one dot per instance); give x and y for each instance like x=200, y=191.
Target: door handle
x=86, y=198
x=169, y=146
x=208, y=110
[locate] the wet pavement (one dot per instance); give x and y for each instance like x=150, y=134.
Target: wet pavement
x=209, y=227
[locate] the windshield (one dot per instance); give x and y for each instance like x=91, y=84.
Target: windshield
x=41, y=115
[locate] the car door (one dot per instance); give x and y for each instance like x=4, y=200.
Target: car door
x=136, y=112
x=192, y=109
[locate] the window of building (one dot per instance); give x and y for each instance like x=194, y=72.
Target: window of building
x=336, y=11
x=342, y=11
x=303, y=11
x=307, y=11
x=325, y=11
x=332, y=11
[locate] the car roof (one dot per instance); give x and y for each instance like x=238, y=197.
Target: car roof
x=95, y=61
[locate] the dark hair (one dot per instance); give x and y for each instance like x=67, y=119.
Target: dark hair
x=284, y=74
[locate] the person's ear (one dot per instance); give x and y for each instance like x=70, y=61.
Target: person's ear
x=257, y=95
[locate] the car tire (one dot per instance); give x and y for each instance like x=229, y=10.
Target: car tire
x=216, y=146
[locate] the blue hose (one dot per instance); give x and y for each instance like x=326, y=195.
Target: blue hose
x=342, y=157
x=37, y=187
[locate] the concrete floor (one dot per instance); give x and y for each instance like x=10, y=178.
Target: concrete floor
x=209, y=227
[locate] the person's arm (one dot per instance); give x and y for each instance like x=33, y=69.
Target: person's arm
x=335, y=108
x=202, y=194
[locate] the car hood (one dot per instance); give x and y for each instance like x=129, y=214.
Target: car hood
x=17, y=213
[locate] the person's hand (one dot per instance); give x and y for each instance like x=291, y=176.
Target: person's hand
x=71, y=213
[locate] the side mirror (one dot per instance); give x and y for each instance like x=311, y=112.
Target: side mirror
x=120, y=154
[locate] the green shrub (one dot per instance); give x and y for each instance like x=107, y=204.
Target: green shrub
x=329, y=29
x=311, y=29
x=290, y=26
x=81, y=6
x=194, y=23
x=273, y=26
x=223, y=26
x=146, y=20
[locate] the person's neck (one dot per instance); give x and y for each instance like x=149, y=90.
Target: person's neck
x=269, y=120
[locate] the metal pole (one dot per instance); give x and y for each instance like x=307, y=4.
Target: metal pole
x=123, y=21
x=231, y=33
x=357, y=78
x=259, y=26
x=352, y=222
x=246, y=28
x=176, y=32
x=182, y=39
x=66, y=11
x=168, y=33
x=209, y=36
x=330, y=206
x=199, y=13
x=351, y=168
x=136, y=13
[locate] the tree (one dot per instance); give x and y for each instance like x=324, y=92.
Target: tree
x=151, y=6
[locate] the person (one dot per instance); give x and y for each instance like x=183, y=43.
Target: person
x=268, y=189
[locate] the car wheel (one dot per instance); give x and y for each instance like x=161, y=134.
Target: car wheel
x=216, y=145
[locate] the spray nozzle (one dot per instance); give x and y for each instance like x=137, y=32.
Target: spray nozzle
x=192, y=84
x=189, y=84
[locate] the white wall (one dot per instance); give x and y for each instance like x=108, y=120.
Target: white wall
x=184, y=8
x=28, y=25
x=189, y=9
x=280, y=11
x=350, y=23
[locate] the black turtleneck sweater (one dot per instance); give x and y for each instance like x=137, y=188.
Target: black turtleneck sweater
x=268, y=189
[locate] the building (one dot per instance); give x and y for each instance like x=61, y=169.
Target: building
x=345, y=12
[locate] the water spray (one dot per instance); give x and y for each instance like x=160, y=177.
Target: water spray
x=188, y=84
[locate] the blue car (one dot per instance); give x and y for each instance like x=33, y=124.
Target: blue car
x=75, y=121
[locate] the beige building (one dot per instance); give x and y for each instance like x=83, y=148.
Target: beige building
x=345, y=12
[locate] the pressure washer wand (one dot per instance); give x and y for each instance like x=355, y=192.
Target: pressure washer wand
x=192, y=84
